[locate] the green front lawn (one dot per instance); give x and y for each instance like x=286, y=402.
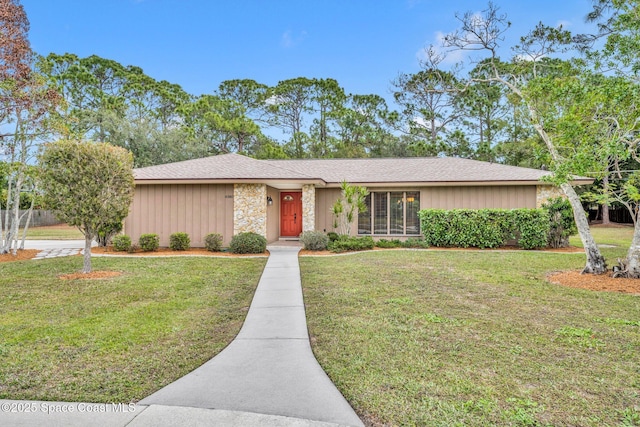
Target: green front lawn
x=117, y=339
x=54, y=232
x=474, y=338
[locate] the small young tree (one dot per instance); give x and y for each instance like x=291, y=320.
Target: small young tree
x=346, y=208
x=87, y=185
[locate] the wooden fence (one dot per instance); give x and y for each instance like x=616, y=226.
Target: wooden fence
x=38, y=219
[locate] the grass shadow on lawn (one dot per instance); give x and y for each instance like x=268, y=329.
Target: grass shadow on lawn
x=116, y=339
x=473, y=339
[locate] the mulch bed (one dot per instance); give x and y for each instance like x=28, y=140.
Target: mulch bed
x=20, y=256
x=593, y=282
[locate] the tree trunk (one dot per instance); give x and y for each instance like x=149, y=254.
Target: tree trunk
x=15, y=222
x=633, y=255
x=605, y=207
x=28, y=222
x=595, y=261
x=86, y=268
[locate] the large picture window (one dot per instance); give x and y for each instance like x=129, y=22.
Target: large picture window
x=391, y=213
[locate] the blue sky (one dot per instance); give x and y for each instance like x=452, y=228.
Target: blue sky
x=363, y=44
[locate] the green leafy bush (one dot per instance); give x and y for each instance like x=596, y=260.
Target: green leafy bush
x=248, y=243
x=314, y=240
x=413, y=242
x=333, y=236
x=179, y=241
x=149, y=242
x=346, y=243
x=384, y=243
x=561, y=222
x=484, y=228
x=121, y=243
x=531, y=227
x=213, y=242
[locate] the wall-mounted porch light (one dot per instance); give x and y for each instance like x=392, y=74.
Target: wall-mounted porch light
x=269, y=201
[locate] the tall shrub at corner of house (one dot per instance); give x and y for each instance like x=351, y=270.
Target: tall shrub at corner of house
x=314, y=240
x=532, y=226
x=561, y=222
x=179, y=241
x=248, y=243
x=213, y=242
x=149, y=242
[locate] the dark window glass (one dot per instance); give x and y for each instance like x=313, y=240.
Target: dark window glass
x=413, y=206
x=380, y=213
x=396, y=210
x=364, y=218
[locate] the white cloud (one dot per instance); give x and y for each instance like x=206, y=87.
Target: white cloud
x=289, y=39
x=564, y=24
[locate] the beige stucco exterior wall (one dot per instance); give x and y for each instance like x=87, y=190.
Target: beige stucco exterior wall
x=169, y=208
x=308, y=207
x=546, y=192
x=250, y=209
x=273, y=215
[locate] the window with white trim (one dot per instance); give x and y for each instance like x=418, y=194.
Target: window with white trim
x=391, y=213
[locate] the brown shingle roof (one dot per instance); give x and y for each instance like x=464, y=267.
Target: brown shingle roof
x=331, y=171
x=414, y=169
x=226, y=166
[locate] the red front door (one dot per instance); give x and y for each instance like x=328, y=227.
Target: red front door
x=290, y=214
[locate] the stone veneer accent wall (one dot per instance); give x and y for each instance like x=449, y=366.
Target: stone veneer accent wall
x=250, y=208
x=308, y=207
x=546, y=192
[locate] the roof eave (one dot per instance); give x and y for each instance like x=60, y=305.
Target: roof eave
x=454, y=183
x=267, y=181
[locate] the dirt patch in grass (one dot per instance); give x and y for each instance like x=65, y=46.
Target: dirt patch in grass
x=169, y=252
x=92, y=275
x=20, y=256
x=593, y=282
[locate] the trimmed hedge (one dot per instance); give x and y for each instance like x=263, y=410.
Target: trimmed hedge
x=179, y=241
x=121, y=243
x=485, y=228
x=149, y=242
x=248, y=243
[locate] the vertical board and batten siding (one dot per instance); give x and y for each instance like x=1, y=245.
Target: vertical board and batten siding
x=484, y=197
x=197, y=209
x=325, y=198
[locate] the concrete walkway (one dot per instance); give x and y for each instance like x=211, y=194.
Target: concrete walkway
x=267, y=376
x=55, y=248
x=269, y=368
